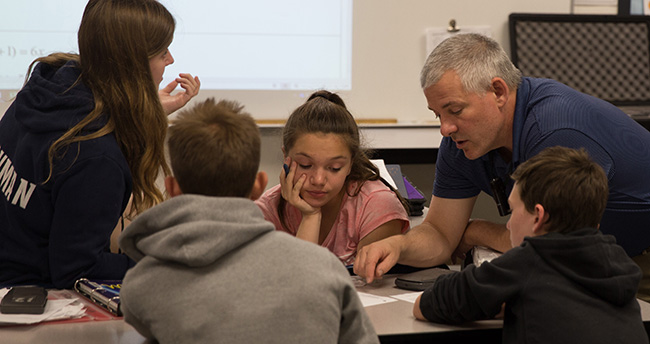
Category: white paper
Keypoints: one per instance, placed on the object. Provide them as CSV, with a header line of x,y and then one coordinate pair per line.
x,y
371,300
408,297
482,254
383,172
436,35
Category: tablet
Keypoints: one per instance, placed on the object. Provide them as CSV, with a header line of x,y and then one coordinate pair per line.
x,y
421,280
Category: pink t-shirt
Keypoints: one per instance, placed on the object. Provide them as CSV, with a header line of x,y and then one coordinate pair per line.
x,y
375,205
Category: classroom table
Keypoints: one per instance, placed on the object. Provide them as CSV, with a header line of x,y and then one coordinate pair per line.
x,y
393,322
95,332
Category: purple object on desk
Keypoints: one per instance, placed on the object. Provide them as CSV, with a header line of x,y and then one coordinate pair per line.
x,y
412,192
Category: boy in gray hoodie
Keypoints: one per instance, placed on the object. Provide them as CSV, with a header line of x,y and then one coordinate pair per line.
x,y
210,269
564,281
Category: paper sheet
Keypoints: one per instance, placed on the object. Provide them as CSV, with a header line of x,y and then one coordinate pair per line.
x,y
408,297
436,35
383,171
371,300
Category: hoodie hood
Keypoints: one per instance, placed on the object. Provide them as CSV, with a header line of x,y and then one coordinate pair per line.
x,y
194,230
51,101
591,260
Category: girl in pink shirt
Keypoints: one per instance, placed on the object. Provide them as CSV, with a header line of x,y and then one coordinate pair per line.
x,y
332,194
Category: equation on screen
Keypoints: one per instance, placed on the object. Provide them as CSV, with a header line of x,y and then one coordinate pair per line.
x,y
10,51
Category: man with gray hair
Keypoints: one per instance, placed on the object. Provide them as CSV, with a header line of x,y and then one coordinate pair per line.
x,y
493,119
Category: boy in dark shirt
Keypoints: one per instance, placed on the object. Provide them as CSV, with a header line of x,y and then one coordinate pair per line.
x,y
566,282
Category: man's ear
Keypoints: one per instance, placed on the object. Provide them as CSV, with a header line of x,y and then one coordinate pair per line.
x,y
541,218
259,186
172,187
501,91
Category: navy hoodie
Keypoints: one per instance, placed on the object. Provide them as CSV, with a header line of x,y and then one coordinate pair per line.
x,y
56,232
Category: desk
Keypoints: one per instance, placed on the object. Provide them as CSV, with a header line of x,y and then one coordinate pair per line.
x,y
393,322
94,332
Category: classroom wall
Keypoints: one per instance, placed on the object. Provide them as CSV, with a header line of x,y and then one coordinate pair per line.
x,y
389,47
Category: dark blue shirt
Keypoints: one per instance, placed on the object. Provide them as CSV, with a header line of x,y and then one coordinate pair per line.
x,y
549,114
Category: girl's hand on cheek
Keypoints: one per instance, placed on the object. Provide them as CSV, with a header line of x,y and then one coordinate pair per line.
x,y
291,191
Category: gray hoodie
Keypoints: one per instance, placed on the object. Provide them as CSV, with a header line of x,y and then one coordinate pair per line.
x,y
212,270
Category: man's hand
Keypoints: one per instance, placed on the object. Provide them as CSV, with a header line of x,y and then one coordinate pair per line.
x,y
375,259
460,254
171,103
483,233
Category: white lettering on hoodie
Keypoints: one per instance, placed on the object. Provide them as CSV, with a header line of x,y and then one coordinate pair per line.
x,y
8,180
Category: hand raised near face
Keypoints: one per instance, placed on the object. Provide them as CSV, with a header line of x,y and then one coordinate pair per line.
x,y
291,190
190,86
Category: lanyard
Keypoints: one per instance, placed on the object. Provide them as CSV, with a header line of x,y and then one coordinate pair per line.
x,y
498,189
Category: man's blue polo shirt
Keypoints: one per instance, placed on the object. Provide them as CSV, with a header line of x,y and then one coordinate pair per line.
x,y
548,114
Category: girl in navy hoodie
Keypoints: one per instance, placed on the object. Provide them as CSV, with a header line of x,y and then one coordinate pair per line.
x,y
83,136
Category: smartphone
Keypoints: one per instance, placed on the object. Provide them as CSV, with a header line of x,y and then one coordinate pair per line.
x,y
421,280
24,300
286,169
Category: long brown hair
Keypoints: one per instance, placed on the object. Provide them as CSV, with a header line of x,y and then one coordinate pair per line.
x,y
116,40
325,112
